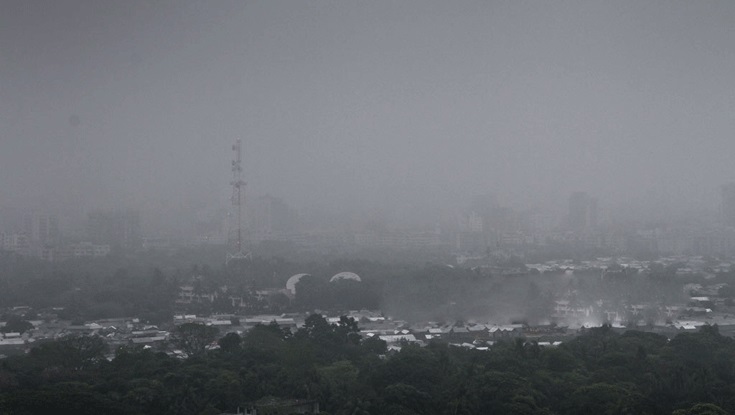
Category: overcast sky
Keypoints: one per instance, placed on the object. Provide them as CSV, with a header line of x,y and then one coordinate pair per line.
x,y
377,104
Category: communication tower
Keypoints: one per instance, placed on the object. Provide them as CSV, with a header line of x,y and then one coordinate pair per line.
x,y
235,245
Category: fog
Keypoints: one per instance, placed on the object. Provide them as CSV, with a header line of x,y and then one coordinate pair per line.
x,y
408,109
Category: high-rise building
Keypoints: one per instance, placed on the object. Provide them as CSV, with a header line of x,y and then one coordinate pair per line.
x,y
42,230
119,229
15,242
727,207
270,217
582,212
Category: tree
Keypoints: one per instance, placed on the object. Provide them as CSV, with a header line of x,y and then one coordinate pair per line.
x,y
75,352
317,328
230,343
65,397
310,293
193,338
264,338
375,345
603,398
340,385
224,391
402,398
701,409
16,324
347,330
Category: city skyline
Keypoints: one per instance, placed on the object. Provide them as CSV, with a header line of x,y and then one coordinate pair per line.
x,y
377,106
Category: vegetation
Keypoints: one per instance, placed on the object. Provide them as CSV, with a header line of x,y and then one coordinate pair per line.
x,y
600,371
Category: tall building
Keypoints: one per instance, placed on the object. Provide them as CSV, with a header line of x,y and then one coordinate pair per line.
x,y
11,219
42,230
119,229
15,242
472,236
727,207
271,218
582,212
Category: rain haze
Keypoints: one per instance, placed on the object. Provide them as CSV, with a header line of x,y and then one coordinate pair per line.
x,y
367,207
408,108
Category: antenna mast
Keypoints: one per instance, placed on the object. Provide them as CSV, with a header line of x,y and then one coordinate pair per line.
x,y
236,251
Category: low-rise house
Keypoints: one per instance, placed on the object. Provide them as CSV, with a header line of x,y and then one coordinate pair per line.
x,y
507,330
397,338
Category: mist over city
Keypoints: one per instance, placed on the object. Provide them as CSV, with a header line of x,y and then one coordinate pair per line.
x,y
396,109
414,207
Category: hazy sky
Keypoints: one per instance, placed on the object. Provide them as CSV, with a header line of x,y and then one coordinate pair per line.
x,y
397,104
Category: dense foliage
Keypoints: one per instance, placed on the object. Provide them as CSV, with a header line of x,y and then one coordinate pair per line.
x,y
601,371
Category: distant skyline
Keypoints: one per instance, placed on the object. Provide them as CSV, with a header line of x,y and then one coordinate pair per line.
x,y
410,108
